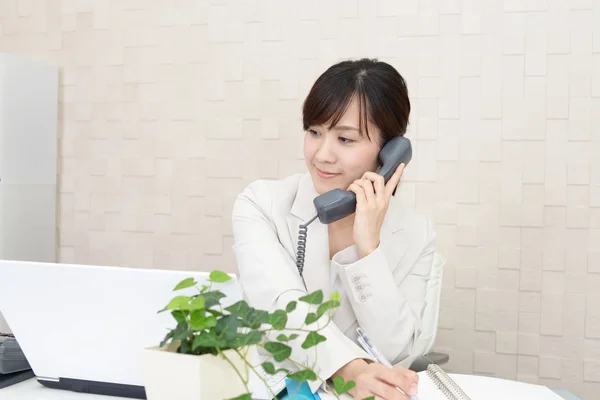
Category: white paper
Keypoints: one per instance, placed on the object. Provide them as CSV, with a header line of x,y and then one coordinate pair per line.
x,y
477,388
486,388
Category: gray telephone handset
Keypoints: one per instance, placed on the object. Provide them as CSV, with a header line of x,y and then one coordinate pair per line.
x,y
337,204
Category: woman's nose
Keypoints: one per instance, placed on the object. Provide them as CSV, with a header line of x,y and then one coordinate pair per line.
x,y
325,153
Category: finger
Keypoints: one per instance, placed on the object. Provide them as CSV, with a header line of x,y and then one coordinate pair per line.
x,y
368,383
367,186
396,378
410,375
361,199
378,184
386,382
394,180
387,391
413,382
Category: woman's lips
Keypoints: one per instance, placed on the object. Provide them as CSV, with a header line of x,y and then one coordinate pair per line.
x,y
325,174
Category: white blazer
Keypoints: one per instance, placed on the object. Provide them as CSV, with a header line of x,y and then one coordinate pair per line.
x,y
383,293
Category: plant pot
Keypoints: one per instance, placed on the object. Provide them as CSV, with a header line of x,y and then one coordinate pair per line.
x,y
173,376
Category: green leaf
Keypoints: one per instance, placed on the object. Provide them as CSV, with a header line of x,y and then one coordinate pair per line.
x,y
284,338
199,321
241,308
303,375
310,318
278,319
181,331
215,313
166,339
268,367
208,339
291,306
218,277
247,339
249,317
335,296
257,318
184,284
210,322
180,316
196,304
369,398
313,298
280,351
212,298
185,348
245,396
177,302
226,327
313,339
328,305
341,386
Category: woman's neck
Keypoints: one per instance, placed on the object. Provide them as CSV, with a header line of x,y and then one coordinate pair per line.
x,y
343,225
340,235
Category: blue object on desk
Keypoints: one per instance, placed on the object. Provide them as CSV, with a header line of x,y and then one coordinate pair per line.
x,y
298,391
566,394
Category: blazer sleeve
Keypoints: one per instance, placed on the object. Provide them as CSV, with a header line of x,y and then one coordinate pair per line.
x,y
388,300
270,280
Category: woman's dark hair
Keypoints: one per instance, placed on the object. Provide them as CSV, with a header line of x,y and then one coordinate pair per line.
x,y
380,90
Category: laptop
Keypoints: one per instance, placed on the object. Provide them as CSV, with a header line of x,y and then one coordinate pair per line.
x,y
82,327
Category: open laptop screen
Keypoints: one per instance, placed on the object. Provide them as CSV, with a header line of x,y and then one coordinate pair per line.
x,y
82,327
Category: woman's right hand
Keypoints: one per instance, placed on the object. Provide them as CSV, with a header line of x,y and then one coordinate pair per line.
x,y
379,381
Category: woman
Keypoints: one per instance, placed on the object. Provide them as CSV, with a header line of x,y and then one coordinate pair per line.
x,y
378,258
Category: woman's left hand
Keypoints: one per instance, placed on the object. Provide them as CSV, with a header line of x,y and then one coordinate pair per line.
x,y
372,201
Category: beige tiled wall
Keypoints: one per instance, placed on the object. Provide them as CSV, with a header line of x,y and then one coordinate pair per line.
x,y
168,108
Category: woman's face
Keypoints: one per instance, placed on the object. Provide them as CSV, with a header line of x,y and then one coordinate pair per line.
x,y
335,158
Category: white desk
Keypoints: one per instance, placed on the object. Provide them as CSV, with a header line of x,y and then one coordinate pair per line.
x,y
32,390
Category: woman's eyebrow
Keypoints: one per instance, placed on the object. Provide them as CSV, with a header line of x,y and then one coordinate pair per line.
x,y
346,128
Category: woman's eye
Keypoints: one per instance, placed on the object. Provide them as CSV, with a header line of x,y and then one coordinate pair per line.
x,y
346,140
313,132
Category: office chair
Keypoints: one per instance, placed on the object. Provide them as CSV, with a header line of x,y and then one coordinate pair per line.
x,y
422,355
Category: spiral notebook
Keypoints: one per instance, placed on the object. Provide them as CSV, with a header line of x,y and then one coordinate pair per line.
x,y
436,384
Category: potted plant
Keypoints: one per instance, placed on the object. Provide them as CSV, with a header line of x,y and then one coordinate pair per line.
x,y
207,354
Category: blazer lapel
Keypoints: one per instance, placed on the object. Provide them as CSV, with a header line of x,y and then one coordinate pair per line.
x,y
393,242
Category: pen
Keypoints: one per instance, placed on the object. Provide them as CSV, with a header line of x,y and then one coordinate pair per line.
x,y
373,350
366,347
370,348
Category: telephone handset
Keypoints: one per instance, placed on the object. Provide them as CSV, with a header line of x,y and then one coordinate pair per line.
x,y
337,203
